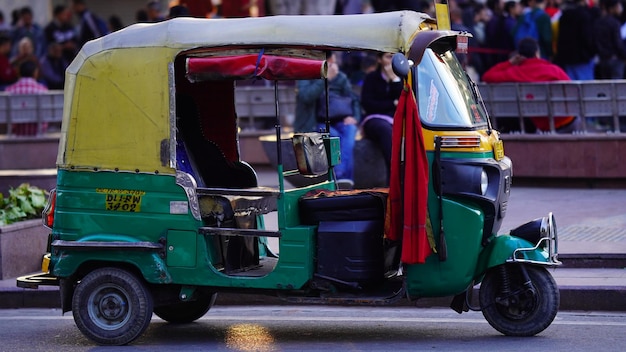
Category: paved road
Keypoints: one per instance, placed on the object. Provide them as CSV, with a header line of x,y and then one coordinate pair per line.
x,y
312,328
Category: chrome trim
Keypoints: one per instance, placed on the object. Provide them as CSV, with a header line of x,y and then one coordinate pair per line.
x,y
450,141
172,108
113,245
187,182
548,226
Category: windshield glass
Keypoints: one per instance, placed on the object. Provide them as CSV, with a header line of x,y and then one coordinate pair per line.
x,y
445,96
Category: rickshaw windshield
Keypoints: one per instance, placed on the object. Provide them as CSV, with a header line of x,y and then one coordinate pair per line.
x,y
445,95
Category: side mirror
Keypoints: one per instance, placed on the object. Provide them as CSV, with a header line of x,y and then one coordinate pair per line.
x,y
310,153
400,65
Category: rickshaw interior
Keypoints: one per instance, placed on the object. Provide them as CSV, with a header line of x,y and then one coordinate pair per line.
x,y
229,198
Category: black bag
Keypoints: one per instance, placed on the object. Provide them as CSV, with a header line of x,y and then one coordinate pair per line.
x,y
339,107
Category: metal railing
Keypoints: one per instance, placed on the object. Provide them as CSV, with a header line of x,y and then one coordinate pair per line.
x,y
255,107
40,109
599,105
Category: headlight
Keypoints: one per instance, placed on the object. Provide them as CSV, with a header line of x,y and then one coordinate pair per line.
x,y
484,182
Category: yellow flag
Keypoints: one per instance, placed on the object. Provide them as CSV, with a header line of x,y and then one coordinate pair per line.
x,y
443,16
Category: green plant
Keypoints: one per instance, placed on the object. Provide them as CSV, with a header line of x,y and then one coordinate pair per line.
x,y
23,203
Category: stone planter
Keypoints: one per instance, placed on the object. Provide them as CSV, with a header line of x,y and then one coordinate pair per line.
x,y
22,246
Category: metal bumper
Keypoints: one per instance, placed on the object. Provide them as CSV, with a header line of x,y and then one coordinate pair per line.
x,y
548,244
33,281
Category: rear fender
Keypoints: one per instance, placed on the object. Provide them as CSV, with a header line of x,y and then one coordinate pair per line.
x,y
76,258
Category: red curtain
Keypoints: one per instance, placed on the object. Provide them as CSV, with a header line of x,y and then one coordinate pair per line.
x,y
408,186
250,66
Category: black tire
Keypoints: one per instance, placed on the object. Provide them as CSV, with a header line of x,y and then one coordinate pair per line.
x,y
186,312
525,314
111,306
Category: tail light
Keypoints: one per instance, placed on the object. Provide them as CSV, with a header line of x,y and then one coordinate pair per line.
x,y
48,212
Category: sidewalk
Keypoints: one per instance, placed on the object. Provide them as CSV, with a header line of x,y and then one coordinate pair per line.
x,y
592,245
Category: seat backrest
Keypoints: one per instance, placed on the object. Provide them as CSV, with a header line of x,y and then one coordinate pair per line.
x,y
209,164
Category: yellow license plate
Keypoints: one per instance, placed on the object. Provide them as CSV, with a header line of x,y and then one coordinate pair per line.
x,y
498,150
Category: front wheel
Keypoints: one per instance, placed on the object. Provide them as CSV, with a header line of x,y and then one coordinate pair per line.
x,y
519,300
111,306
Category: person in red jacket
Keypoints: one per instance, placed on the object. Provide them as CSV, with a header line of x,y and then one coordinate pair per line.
x,y
526,66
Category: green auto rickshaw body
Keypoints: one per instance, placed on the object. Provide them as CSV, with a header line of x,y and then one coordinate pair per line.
x,y
125,199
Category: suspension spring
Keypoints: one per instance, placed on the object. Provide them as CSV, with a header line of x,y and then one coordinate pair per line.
x,y
506,281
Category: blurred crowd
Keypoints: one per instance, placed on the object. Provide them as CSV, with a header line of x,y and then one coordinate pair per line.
x,y
584,37
52,46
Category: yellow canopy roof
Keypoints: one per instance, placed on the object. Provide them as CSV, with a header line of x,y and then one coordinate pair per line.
x,y
119,109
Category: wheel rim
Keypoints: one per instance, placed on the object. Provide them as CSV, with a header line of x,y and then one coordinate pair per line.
x,y
521,305
109,307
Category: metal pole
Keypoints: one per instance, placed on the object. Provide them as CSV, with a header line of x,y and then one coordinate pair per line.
x,y
279,147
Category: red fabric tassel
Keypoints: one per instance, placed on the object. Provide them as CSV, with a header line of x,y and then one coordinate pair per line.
x,y
408,186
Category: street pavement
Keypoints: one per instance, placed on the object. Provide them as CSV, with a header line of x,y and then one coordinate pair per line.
x,y
592,245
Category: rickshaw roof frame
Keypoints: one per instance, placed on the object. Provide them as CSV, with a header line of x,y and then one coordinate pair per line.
x,y
134,66
387,32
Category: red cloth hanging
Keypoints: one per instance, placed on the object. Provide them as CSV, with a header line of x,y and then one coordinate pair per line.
x,y
408,186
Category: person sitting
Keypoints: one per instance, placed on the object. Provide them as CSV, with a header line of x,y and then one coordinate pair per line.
x,y
379,98
53,67
526,66
27,84
311,115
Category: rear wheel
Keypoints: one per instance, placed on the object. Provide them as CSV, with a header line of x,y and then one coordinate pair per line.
x,y
111,306
186,312
516,304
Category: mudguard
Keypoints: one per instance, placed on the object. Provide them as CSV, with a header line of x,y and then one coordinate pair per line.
x,y
506,248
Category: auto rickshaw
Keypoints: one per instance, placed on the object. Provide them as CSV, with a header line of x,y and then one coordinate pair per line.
x,y
155,212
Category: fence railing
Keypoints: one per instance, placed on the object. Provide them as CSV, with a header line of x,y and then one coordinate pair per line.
x,y
599,105
40,109
255,107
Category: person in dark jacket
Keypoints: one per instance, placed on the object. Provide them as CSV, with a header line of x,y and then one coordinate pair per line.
x,y
575,46
609,45
498,32
379,98
90,26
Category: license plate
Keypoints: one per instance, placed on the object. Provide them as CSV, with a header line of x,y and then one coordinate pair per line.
x,y
498,150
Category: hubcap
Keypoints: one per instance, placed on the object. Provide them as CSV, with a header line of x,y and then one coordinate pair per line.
x,y
109,307
519,305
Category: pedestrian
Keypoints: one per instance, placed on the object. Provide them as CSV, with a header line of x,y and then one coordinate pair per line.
x,y
53,67
609,45
25,52
90,25
498,38
61,31
379,98
534,22
27,28
153,12
575,45
27,84
302,7
115,23
5,28
527,66
8,74
344,113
